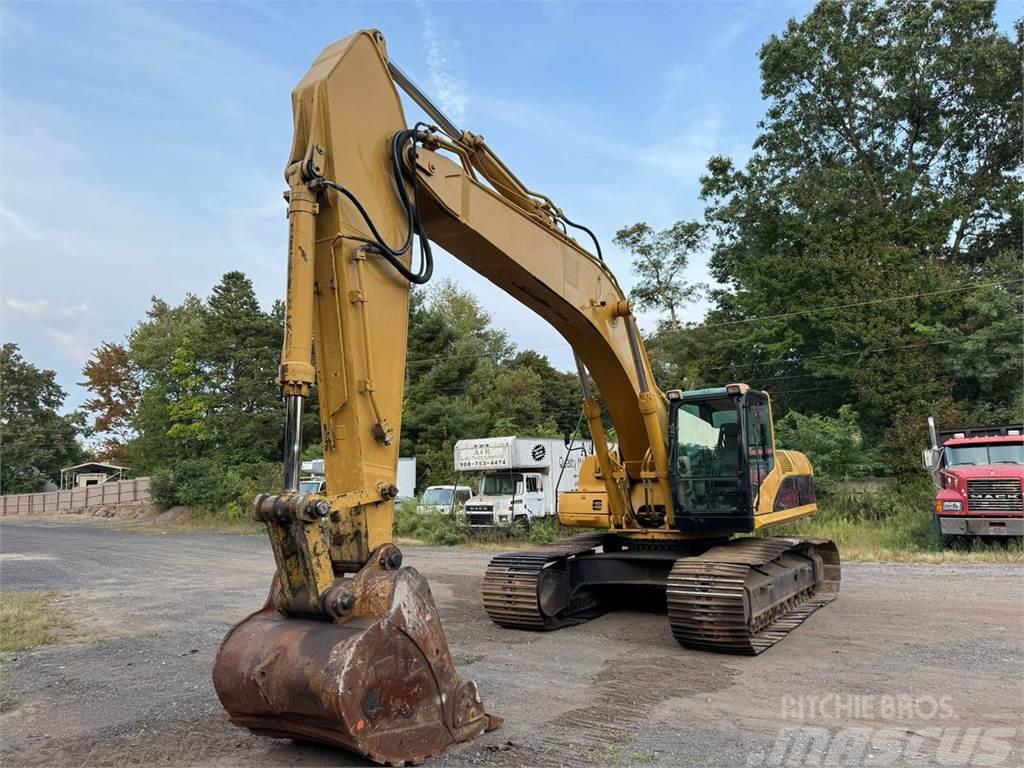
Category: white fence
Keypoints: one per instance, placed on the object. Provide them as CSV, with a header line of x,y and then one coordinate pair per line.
x,y
55,502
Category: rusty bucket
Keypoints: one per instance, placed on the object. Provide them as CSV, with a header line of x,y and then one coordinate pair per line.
x,y
380,682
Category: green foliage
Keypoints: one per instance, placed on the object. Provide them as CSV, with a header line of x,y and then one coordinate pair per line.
x,y
834,445
875,524
206,421
465,380
435,528
885,184
659,261
545,531
37,441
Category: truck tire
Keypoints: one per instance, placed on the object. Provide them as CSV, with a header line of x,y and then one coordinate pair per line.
x,y
946,541
523,521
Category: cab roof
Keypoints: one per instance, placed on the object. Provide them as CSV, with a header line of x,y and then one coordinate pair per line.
x,y
1001,439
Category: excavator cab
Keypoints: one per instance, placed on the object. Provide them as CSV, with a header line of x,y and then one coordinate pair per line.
x,y
721,450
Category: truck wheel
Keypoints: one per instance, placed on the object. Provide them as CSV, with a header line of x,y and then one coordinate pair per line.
x,y
945,541
522,521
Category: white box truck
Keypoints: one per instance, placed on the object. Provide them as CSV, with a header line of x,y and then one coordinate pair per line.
x,y
519,478
405,478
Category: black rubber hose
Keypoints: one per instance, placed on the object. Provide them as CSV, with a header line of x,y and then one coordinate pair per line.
x,y
593,237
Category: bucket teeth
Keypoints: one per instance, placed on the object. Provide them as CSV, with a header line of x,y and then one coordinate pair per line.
x,y
380,683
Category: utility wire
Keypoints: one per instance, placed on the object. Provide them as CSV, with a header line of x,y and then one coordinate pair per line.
x,y
905,297
836,308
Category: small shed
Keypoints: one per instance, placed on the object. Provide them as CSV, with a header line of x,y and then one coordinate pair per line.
x,y
91,473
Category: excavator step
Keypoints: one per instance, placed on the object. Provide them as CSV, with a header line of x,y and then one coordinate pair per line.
x,y
744,596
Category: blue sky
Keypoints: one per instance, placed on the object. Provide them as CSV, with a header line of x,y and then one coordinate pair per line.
x,y
142,145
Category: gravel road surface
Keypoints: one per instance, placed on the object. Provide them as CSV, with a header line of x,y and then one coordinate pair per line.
x,y
912,665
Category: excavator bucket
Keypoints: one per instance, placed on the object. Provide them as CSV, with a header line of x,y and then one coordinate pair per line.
x,y
380,683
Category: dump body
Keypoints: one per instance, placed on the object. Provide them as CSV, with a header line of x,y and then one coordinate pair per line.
x,y
518,478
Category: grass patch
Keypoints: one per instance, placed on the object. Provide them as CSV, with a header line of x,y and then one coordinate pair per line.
x,y
437,528
894,525
446,530
7,700
28,620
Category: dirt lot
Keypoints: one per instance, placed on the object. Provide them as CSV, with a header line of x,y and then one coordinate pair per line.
x,y
913,665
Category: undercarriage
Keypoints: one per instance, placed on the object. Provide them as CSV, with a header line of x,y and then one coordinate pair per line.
x,y
739,596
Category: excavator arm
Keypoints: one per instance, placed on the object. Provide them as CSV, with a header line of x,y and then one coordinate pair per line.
x,y
360,186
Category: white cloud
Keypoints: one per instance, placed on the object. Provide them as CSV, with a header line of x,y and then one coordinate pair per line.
x,y
74,309
34,308
686,154
20,225
74,345
443,61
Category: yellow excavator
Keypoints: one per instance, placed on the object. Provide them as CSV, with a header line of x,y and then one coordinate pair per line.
x,y
348,649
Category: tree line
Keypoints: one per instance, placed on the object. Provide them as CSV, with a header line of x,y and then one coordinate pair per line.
x,y
867,269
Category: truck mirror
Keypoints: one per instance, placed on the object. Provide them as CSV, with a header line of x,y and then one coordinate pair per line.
x,y
930,458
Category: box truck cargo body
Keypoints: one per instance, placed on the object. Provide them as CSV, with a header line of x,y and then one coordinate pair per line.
x,y
405,478
518,478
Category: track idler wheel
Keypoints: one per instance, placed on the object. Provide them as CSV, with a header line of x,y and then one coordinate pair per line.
x,y
379,681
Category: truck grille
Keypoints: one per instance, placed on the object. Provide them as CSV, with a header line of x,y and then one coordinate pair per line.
x,y
483,518
996,495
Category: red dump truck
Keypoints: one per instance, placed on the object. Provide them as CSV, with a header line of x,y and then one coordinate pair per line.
x,y
978,474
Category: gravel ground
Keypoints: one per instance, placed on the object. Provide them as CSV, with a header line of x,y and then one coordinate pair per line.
x,y
912,665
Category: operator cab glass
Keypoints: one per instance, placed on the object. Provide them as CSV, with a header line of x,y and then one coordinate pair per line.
x,y
721,452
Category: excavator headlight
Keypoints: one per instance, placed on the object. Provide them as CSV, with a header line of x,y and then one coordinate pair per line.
x,y
674,394
733,389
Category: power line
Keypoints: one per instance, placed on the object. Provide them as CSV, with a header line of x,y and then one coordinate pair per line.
x,y
800,360
814,357
904,297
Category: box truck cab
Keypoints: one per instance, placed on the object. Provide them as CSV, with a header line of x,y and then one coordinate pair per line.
x,y
519,478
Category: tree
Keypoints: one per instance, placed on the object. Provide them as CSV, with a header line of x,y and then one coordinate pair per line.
x,y
37,441
660,259
239,353
835,445
112,378
209,421
883,183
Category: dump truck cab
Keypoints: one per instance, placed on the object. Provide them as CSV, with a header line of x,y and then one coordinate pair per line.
x,y
978,475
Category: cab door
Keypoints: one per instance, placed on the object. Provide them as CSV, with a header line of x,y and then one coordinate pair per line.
x,y
533,496
710,442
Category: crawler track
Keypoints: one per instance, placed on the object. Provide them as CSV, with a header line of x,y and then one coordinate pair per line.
x,y
512,588
745,596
